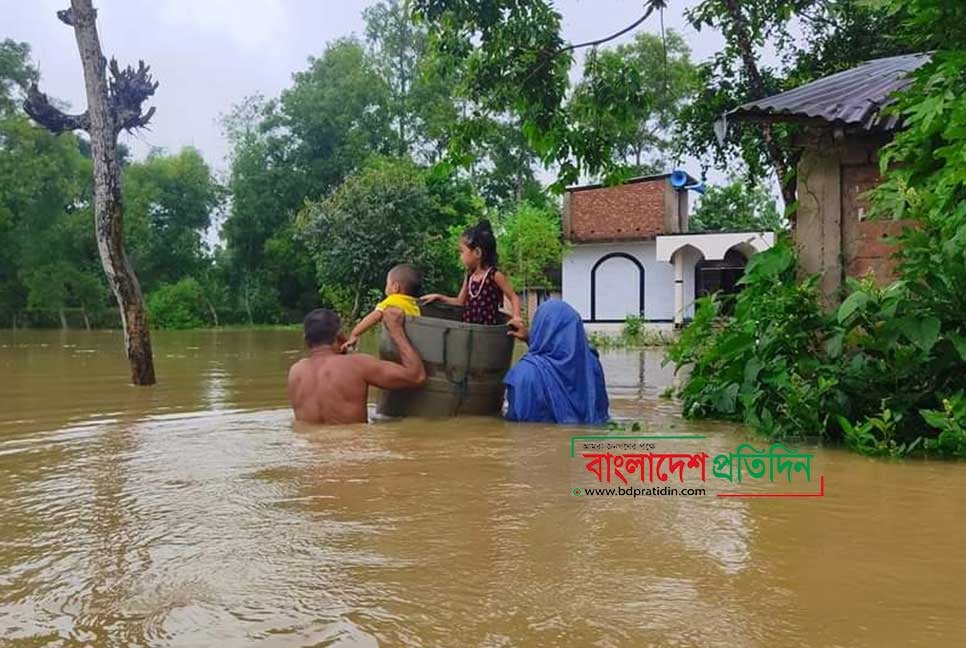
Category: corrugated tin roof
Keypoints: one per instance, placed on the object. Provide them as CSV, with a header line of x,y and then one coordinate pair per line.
x,y
853,97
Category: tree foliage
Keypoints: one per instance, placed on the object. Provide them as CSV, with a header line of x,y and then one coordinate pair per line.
x,y
530,245
631,95
388,213
736,206
170,200
832,35
886,371
510,58
179,305
48,258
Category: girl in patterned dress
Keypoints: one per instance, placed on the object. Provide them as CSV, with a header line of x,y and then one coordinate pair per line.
x,y
485,286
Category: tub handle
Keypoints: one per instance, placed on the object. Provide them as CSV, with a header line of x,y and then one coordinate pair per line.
x,y
461,383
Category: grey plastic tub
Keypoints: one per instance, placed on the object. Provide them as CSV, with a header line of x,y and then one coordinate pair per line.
x,y
465,365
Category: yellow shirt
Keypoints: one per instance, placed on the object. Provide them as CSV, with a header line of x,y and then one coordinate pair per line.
x,y
406,303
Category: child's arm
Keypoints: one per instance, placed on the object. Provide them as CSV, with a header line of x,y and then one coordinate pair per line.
x,y
459,300
367,323
500,280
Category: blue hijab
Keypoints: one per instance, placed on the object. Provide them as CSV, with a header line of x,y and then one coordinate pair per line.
x,y
560,379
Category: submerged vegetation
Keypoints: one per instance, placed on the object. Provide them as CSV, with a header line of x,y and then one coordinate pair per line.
x,y
634,335
885,372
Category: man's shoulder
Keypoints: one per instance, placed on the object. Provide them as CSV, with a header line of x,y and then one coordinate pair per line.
x,y
297,368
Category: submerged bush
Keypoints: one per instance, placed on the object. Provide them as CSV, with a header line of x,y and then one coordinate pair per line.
x,y
633,335
178,306
764,366
873,373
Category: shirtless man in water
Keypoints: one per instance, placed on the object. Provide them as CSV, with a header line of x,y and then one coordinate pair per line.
x,y
328,387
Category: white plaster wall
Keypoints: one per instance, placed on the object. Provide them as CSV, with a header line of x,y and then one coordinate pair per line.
x,y
617,281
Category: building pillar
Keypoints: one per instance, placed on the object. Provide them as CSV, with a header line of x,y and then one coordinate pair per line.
x,y
679,289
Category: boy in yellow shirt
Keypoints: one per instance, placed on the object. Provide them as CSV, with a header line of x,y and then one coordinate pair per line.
x,y
402,286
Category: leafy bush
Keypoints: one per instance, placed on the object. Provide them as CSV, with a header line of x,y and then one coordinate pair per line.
x,y
530,245
633,335
386,213
873,372
178,306
951,423
765,365
632,327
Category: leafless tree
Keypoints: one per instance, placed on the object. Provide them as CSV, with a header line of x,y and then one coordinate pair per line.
x,y
112,106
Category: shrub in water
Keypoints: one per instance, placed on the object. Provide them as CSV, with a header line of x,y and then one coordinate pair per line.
x,y
178,306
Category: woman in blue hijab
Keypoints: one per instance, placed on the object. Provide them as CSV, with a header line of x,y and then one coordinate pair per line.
x,y
560,379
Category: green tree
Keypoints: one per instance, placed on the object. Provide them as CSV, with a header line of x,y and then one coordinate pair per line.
x,y
170,201
427,116
925,179
886,371
284,152
398,48
47,252
530,245
181,305
736,206
630,97
835,35
16,74
336,113
390,212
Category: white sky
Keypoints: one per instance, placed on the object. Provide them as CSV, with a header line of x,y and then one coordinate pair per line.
x,y
209,54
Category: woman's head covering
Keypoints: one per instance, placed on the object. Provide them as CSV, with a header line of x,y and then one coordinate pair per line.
x,y
560,379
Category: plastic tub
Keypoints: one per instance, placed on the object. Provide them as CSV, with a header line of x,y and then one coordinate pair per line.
x,y
465,365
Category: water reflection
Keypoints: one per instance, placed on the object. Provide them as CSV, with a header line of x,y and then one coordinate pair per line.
x,y
196,513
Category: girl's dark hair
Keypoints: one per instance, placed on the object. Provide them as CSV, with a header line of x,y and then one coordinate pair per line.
x,y
480,236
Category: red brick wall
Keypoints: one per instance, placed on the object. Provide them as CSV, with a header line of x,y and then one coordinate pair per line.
x,y
863,241
632,211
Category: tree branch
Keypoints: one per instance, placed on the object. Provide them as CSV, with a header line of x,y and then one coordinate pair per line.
x,y
651,6
129,89
650,9
66,16
38,106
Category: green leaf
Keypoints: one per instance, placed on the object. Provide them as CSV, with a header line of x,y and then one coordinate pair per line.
x,y
833,346
725,401
934,418
752,369
852,303
922,332
959,341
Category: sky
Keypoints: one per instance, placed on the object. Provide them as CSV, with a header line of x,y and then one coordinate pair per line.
x,y
209,54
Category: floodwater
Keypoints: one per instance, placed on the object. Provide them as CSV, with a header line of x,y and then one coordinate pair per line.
x,y
196,514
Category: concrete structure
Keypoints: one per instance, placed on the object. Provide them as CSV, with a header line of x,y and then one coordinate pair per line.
x,y
631,254
531,298
844,130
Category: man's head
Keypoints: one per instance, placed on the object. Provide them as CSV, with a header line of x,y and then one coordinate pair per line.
x,y
404,278
321,328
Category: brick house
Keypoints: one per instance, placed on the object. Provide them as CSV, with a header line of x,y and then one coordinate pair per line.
x,y
631,253
843,130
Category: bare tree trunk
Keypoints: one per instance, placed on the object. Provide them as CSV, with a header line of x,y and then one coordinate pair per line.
x,y
110,108
211,309
775,154
108,203
63,319
87,320
248,301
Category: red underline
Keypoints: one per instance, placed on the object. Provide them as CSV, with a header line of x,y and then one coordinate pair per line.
x,y
820,493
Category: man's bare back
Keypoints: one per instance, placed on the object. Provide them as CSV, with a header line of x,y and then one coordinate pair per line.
x,y
328,387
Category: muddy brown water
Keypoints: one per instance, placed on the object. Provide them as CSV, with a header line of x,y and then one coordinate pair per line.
x,y
196,513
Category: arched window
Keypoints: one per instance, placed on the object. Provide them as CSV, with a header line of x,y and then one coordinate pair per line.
x,y
616,288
